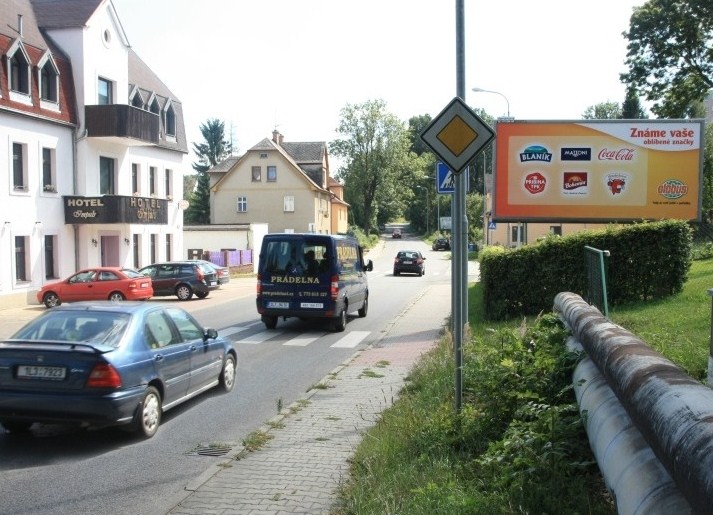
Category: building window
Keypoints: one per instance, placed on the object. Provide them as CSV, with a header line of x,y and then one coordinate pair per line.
x,y
289,204
168,184
556,230
21,258
135,178
242,205
49,181
106,92
50,257
19,166
137,263
107,178
154,248
169,239
19,73
48,82
272,173
257,173
137,101
152,180
170,121
153,107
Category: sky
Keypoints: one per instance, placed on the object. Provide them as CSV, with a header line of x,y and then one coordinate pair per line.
x,y
293,65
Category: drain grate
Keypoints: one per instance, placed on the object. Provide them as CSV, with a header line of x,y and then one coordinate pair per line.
x,y
213,449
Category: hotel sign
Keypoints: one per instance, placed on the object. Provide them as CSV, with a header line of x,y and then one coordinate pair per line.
x,y
115,209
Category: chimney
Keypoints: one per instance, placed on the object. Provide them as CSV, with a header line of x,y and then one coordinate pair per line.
x,y
277,137
19,24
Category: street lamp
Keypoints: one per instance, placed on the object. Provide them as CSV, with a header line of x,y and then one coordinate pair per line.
x,y
481,90
428,226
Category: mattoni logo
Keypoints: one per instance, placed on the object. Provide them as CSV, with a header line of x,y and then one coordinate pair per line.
x,y
535,182
576,154
535,153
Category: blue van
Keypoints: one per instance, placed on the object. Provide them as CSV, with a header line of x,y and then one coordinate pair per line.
x,y
311,276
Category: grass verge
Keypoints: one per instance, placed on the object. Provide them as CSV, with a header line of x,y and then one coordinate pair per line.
x,y
518,444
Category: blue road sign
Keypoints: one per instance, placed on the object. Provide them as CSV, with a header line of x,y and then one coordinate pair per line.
x,y
445,179
491,225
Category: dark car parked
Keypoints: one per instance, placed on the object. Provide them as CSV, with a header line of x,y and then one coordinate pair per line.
x,y
409,261
223,272
182,279
441,244
98,364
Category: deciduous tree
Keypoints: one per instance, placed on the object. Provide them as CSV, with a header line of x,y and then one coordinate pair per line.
x,y
670,54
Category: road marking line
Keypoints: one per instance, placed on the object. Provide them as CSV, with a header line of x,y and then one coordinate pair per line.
x,y
304,339
351,340
260,337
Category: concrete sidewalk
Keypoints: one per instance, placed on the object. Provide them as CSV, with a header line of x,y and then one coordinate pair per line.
x,y
301,467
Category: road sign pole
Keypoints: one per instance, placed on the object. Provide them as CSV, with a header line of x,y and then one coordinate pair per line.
x,y
460,282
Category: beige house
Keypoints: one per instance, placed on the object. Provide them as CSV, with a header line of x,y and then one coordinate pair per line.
x,y
284,185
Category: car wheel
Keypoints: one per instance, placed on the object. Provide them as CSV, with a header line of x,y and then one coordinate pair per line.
x,y
116,296
51,299
340,323
184,292
148,416
227,376
395,272
364,308
16,426
202,295
269,321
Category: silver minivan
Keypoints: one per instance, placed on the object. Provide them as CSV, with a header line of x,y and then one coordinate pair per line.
x,y
311,276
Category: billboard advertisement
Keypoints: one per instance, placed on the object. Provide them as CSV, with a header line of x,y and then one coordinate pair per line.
x,y
598,170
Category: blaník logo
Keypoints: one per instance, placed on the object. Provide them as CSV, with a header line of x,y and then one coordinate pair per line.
x,y
576,154
535,153
535,182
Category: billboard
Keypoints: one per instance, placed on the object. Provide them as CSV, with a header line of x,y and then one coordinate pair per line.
x,y
598,170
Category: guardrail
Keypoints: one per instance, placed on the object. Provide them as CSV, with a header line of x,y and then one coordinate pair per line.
x,y
671,412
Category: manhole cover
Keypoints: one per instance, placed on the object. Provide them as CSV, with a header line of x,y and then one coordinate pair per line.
x,y
214,450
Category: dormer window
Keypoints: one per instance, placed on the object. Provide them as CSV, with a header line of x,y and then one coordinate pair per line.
x,y
153,106
170,121
48,81
135,98
19,73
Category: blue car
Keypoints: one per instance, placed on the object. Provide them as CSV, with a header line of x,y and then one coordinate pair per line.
x,y
99,364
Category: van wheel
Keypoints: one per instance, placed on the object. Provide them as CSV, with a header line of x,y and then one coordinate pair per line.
x,y
340,323
364,308
269,321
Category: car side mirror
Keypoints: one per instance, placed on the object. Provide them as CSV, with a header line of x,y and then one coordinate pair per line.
x,y
369,266
210,334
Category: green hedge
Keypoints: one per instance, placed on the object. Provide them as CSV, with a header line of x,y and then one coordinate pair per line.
x,y
647,260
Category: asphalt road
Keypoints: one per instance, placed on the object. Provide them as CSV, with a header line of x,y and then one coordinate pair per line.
x,y
65,470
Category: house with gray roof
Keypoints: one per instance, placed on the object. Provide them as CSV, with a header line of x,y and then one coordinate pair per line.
x,y
285,185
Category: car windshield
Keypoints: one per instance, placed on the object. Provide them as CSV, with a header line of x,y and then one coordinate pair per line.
x,y
132,274
104,327
408,255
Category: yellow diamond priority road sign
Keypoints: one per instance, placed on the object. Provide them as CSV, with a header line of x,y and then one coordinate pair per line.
x,y
457,135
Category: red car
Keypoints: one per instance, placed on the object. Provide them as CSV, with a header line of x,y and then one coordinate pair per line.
x,y
100,283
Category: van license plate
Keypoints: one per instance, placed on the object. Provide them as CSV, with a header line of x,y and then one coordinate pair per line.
x,y
278,305
316,305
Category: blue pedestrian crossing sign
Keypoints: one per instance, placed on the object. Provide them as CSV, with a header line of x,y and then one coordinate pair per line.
x,y
445,180
491,226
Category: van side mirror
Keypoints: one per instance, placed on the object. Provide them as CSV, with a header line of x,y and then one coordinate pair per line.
x,y
369,266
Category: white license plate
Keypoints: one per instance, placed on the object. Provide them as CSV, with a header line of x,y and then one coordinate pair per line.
x,y
213,283
278,305
316,305
408,262
34,372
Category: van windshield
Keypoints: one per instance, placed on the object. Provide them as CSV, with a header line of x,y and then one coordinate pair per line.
x,y
298,257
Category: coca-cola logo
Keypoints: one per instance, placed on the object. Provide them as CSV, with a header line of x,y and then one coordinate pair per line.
x,y
535,182
620,154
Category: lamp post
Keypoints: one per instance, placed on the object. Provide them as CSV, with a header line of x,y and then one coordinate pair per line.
x,y
427,221
481,90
